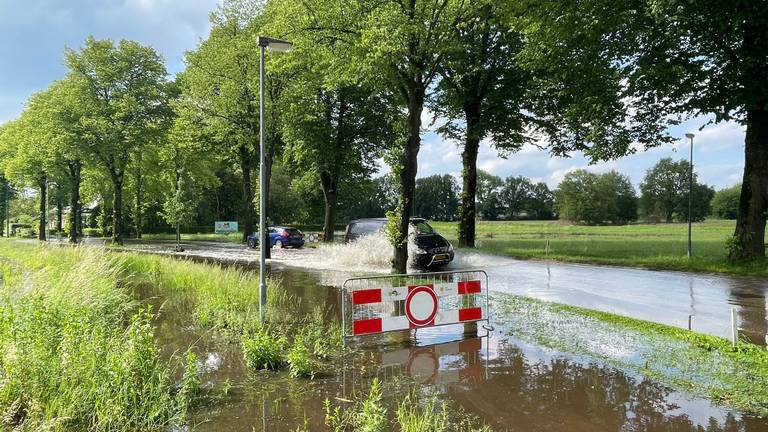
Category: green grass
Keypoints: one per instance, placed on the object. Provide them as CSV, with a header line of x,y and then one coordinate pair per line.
x,y
699,364
657,246
212,237
77,354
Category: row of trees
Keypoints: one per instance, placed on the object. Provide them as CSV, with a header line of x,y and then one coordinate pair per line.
x,y
582,197
356,85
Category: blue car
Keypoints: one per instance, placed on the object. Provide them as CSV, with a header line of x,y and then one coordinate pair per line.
x,y
281,237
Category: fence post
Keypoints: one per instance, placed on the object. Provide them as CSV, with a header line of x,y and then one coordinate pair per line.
x,y
734,327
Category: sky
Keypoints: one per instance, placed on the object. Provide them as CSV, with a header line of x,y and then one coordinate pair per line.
x,y
34,33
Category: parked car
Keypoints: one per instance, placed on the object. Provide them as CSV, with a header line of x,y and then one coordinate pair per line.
x,y
281,237
432,249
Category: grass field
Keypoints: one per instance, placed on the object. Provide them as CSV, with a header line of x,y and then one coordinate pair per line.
x,y
658,246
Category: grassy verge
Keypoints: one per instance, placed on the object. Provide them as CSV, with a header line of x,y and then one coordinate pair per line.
x,y
76,351
224,238
226,299
656,246
703,365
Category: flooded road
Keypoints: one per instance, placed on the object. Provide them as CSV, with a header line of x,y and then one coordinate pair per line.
x,y
666,297
509,384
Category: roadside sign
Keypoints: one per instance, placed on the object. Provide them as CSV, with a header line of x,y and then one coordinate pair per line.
x,y
379,304
224,227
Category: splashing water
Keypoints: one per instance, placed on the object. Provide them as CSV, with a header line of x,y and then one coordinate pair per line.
x,y
370,253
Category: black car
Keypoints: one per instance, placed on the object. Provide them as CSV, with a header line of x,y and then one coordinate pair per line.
x,y
432,249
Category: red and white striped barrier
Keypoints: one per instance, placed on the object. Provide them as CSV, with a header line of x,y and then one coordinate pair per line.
x,y
378,308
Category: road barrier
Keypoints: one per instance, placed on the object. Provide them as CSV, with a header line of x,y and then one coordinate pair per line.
x,y
380,304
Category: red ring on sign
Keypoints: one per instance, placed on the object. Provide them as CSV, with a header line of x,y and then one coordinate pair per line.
x,y
411,294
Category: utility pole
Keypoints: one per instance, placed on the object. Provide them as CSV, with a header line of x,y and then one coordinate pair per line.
x,y
690,193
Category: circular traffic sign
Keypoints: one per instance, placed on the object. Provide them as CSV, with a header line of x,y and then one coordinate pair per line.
x,y
421,306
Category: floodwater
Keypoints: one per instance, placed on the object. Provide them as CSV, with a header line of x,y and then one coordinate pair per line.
x,y
666,297
509,384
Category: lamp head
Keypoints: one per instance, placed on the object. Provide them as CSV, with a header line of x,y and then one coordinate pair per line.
x,y
689,135
274,44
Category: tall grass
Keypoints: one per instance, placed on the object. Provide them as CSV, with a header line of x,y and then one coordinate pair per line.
x,y
76,354
224,297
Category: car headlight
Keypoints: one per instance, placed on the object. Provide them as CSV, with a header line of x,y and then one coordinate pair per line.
x,y
420,251
450,247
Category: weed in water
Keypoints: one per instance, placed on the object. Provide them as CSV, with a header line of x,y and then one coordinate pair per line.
x,y
262,350
189,387
299,359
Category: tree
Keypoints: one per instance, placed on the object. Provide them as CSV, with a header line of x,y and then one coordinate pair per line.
x,y
701,200
333,132
26,159
515,195
482,92
665,192
220,95
585,197
541,202
124,90
638,64
725,203
437,197
398,46
61,111
489,205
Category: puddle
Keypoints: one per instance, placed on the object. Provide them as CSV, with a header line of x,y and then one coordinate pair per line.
x,y
509,384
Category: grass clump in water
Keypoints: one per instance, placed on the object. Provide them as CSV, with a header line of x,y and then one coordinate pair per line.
x,y
263,350
417,412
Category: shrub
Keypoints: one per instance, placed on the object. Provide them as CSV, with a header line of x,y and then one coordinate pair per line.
x,y
189,387
262,350
299,361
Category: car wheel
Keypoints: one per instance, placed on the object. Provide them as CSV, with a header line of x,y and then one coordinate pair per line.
x,y
279,244
251,244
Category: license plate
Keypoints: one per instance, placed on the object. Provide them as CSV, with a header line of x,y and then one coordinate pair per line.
x,y
441,257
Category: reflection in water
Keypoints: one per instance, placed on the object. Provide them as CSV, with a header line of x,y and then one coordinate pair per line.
x,y
750,307
509,384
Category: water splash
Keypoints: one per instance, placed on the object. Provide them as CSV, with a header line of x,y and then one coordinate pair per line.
x,y
369,253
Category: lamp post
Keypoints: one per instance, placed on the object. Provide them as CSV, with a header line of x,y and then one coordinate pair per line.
x,y
279,46
690,192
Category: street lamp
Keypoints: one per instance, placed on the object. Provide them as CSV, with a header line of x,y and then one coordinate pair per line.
x,y
279,46
690,192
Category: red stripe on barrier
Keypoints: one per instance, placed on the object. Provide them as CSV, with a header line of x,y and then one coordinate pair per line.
x,y
366,296
366,326
469,287
470,314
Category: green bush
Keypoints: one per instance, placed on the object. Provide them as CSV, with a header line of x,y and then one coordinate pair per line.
x,y
262,350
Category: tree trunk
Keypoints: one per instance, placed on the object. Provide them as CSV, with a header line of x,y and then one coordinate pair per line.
x,y
749,236
245,167
117,208
74,201
467,211
330,197
138,203
409,164
59,215
42,184
668,216
268,161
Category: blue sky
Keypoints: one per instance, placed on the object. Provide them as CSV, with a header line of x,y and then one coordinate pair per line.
x,y
33,34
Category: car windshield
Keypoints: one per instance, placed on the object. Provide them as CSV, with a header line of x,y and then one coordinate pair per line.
x,y
366,227
293,231
422,227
